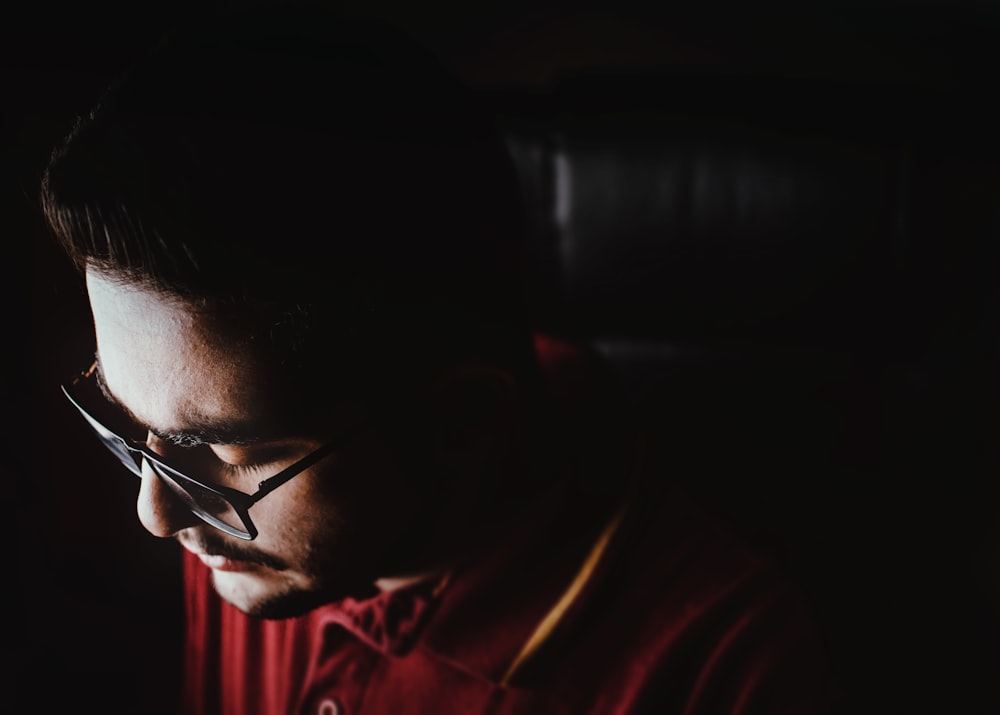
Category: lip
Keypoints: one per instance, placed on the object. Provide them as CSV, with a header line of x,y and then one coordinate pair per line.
x,y
221,563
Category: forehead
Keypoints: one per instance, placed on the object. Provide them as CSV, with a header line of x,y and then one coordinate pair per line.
x,y
171,363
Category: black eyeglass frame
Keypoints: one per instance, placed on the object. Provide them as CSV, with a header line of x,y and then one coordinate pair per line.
x,y
238,500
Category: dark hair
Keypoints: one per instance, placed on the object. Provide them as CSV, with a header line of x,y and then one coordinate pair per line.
x,y
324,173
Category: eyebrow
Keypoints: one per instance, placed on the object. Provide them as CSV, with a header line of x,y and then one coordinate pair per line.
x,y
217,432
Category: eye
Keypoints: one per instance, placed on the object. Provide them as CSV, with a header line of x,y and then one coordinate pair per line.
x,y
237,461
256,459
238,470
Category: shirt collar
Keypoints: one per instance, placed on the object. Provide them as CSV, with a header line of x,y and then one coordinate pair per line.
x,y
391,620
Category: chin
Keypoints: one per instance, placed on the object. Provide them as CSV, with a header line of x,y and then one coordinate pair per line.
x,y
270,599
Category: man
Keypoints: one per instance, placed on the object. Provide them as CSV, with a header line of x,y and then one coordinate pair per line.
x,y
300,247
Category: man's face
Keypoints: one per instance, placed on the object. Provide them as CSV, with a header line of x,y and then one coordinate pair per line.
x,y
183,373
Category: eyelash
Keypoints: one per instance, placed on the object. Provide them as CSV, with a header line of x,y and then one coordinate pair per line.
x,y
240,470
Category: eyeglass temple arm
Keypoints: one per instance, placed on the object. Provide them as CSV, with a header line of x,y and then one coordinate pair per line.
x,y
271,483
85,374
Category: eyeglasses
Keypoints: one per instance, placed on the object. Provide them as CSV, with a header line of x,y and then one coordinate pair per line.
x,y
224,508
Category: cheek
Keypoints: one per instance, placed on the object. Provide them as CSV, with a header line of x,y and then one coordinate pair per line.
x,y
324,506
346,515
300,512
369,496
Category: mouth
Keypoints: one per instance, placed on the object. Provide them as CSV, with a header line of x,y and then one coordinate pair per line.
x,y
217,562
223,557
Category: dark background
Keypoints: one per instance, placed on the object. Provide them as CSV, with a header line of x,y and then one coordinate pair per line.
x,y
895,544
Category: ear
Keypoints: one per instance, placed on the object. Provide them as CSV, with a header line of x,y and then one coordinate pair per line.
x,y
473,413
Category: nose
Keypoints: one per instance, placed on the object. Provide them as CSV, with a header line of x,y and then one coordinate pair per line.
x,y
159,509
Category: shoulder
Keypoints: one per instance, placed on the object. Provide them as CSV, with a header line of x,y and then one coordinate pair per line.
x,y
668,608
681,615
655,606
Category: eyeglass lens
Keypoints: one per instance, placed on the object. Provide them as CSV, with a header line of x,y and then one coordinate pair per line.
x,y
209,505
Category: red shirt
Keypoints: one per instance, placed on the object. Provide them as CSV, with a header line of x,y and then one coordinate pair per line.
x,y
593,604
673,615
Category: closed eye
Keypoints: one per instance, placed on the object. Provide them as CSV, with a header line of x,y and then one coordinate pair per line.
x,y
239,470
236,461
